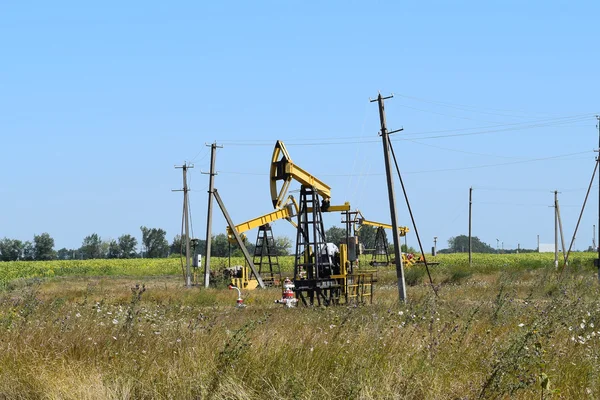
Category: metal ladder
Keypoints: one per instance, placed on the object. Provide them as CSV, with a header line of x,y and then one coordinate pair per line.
x,y
265,253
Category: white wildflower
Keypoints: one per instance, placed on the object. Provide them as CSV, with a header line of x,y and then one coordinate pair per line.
x,y
521,325
115,321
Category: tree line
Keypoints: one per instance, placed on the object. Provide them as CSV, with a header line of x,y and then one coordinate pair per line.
x,y
154,245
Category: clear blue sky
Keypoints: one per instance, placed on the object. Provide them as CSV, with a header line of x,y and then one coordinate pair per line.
x,y
99,101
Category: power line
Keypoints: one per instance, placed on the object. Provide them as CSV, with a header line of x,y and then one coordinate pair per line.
x,y
518,204
468,108
462,151
427,171
328,141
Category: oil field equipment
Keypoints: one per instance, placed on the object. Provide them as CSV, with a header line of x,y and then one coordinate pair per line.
x,y
320,277
288,297
265,255
239,301
381,256
323,274
265,252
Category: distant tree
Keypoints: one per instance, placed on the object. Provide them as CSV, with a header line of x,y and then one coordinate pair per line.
x,y
104,248
366,235
127,245
405,249
28,251
10,250
335,235
67,254
460,244
43,247
177,246
201,247
283,245
114,251
91,247
155,242
220,246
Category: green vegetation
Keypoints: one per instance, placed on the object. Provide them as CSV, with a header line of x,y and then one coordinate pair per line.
x,y
507,328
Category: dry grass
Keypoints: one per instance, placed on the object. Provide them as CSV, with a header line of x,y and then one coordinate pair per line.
x,y
486,336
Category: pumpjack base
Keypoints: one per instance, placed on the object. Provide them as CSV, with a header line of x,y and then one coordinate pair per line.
x,y
324,291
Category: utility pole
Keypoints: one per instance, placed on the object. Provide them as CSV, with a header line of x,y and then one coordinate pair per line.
x,y
597,161
538,243
186,223
390,184
211,188
555,230
562,236
470,205
434,246
594,237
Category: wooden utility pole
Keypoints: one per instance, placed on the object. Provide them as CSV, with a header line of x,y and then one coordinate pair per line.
x,y
186,223
597,161
555,230
211,188
390,184
470,206
560,228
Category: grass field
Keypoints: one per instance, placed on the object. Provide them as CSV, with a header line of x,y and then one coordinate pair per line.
x,y
509,327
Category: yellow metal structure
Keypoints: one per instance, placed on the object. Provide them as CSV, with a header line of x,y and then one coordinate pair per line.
x,y
288,211
283,169
242,280
402,230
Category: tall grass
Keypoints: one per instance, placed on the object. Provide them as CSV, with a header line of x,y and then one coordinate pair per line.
x,y
488,335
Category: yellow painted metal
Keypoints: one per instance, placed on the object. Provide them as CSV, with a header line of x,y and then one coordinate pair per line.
x,y
343,280
243,282
408,262
287,212
339,208
403,230
283,169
